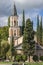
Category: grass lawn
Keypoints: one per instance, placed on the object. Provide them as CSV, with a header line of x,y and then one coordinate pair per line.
x,y
6,62
36,63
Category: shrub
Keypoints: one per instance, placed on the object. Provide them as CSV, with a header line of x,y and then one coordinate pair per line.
x,y
17,64
18,58
35,58
23,57
41,58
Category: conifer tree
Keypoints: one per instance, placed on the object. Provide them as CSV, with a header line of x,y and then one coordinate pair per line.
x,y
28,42
32,24
0,44
23,22
42,35
40,32
37,28
12,48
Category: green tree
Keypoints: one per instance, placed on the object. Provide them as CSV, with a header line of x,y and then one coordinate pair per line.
x,y
4,47
20,30
23,22
4,31
8,55
28,42
40,31
37,29
0,44
42,35
12,48
32,24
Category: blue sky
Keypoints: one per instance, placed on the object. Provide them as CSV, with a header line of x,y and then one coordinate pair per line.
x,y
32,9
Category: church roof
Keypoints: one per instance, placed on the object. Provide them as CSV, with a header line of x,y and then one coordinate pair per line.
x,y
14,11
39,47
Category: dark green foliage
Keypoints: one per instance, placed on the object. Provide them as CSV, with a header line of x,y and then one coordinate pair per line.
x,y
20,30
35,58
24,58
28,42
38,29
32,24
17,63
0,44
41,58
23,22
4,31
12,48
4,48
42,35
18,58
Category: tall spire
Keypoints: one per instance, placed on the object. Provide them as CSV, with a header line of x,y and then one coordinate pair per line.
x,y
14,11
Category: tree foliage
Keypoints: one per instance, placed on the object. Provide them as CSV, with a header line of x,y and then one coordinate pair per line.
x,y
0,44
23,22
42,35
28,42
41,58
12,48
39,31
4,31
3,35
38,28
35,58
4,47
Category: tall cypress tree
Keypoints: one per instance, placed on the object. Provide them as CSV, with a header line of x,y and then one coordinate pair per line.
x,y
42,35
23,22
40,27
12,48
32,24
37,28
0,44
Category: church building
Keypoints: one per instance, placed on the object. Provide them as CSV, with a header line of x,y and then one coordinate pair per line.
x,y
14,29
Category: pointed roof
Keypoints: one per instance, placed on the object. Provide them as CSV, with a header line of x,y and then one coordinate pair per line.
x,y
14,11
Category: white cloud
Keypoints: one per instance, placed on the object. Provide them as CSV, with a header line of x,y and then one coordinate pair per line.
x,y
29,3
3,21
32,8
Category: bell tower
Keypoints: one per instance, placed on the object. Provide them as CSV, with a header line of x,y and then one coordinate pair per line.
x,y
14,30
